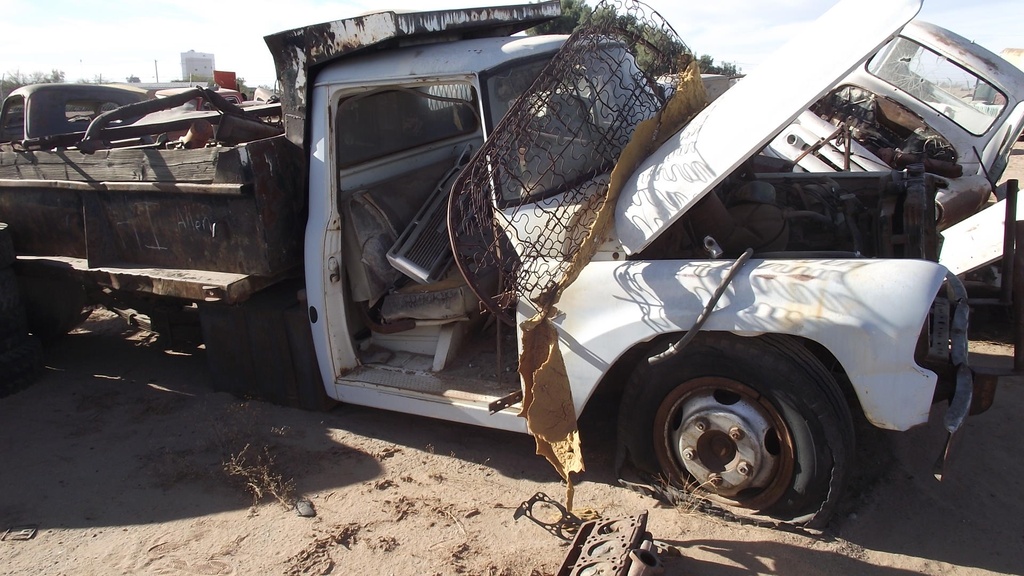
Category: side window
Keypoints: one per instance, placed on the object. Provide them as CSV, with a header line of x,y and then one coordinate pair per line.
x,y
384,122
13,126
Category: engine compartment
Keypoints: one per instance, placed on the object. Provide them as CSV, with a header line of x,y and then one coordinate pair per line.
x,y
779,215
888,129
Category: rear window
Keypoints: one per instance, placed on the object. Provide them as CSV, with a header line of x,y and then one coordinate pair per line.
x,y
85,111
384,122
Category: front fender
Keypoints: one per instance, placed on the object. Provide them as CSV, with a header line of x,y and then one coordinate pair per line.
x,y
867,313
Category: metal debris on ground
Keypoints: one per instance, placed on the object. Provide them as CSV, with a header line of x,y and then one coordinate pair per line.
x,y
564,527
24,532
613,547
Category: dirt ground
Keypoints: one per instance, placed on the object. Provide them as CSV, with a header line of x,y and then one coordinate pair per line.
x,y
128,463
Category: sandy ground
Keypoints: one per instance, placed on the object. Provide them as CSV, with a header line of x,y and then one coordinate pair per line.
x,y
120,455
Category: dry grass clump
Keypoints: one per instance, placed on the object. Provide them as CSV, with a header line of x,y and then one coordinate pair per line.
x,y
257,471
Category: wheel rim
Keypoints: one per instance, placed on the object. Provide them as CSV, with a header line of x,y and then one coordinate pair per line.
x,y
725,440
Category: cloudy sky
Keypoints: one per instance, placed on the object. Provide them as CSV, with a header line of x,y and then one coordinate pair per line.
x,y
119,38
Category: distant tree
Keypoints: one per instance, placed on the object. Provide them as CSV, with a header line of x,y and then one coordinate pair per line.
x,y
573,13
707,66
133,79
43,78
247,91
13,80
651,41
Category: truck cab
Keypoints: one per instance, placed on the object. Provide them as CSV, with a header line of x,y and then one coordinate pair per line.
x,y
32,113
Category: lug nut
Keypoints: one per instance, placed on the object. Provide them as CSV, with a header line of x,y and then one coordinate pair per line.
x,y
700,424
736,433
688,454
743,468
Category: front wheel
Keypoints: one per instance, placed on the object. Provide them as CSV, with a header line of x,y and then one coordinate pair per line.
x,y
752,423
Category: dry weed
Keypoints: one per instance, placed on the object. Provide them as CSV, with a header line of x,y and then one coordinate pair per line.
x,y
693,499
257,471
316,557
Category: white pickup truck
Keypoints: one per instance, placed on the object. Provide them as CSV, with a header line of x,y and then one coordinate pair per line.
x,y
423,242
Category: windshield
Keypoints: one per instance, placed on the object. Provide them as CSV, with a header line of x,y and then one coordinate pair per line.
x,y
950,90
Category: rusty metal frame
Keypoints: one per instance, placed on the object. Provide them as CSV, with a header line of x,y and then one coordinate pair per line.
x,y
300,52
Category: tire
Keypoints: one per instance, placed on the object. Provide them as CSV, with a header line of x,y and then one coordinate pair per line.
x,y
6,247
20,366
12,315
752,423
52,307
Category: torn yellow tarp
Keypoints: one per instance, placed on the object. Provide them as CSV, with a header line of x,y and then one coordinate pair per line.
x,y
547,400
547,397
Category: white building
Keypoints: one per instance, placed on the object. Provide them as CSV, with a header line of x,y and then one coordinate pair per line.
x,y
196,64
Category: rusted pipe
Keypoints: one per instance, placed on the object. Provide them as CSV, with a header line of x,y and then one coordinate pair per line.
x,y
1009,246
644,563
92,140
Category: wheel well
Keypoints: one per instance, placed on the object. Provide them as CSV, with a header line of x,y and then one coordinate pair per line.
x,y
832,364
613,384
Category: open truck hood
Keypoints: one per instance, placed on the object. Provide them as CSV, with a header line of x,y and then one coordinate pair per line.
x,y
739,123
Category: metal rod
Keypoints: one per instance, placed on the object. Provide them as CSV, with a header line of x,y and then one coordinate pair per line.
x,y
1018,300
498,357
849,147
705,313
1009,247
818,144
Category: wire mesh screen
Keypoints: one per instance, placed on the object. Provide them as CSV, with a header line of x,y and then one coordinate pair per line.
x,y
526,203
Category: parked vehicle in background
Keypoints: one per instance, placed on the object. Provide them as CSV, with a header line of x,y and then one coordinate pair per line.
x,y
928,96
447,197
32,114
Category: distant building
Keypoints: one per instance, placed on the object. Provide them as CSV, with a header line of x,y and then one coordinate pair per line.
x,y
196,64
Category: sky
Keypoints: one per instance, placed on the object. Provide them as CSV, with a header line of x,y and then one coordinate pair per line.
x,y
115,39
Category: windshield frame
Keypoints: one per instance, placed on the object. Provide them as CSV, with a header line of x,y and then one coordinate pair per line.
x,y
899,63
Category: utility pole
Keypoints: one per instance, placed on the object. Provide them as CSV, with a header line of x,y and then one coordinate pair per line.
x,y
156,70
